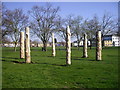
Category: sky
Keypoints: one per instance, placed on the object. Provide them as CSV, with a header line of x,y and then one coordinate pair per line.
x,y
84,9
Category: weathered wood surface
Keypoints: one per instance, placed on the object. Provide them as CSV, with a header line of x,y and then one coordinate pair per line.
x,y
53,45
22,51
98,46
68,46
85,54
27,46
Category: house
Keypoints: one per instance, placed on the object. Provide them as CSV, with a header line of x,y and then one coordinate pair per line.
x,y
111,40
75,44
61,44
41,45
10,45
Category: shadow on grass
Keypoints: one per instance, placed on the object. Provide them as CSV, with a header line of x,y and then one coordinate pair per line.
x,y
23,62
13,61
91,60
77,59
18,62
62,58
81,58
50,56
10,58
51,64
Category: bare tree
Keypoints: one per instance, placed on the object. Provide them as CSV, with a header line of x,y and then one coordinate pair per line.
x,y
77,28
63,23
14,21
44,22
108,23
6,40
90,27
61,29
3,31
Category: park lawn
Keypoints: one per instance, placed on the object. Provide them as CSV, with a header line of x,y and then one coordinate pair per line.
x,y
51,72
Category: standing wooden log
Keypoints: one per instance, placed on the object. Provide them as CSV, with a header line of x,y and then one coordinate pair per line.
x,y
27,46
53,45
68,46
98,46
22,52
85,55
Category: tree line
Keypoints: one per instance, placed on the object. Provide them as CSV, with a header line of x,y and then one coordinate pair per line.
x,y
44,20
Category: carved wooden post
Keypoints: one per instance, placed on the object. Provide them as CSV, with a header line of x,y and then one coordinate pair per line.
x,y
22,52
68,46
53,45
27,46
85,55
98,46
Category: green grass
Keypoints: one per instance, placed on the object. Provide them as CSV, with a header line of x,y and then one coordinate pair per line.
x,y
51,72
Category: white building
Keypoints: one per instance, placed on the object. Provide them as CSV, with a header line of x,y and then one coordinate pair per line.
x,y
111,40
75,44
10,45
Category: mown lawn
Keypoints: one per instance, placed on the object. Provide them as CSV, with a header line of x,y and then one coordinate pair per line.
x,y
51,72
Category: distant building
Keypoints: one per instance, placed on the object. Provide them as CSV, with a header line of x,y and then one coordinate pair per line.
x,y
10,45
61,44
75,44
108,41
111,40
41,45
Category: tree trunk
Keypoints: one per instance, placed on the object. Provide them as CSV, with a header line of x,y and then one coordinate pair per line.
x,y
22,54
15,46
27,46
78,45
53,45
85,55
98,46
68,46
44,48
78,42
102,40
90,44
